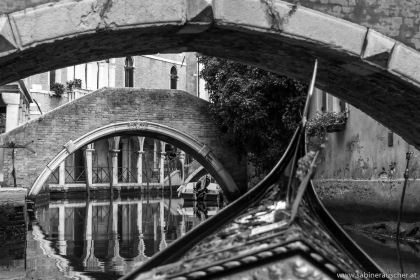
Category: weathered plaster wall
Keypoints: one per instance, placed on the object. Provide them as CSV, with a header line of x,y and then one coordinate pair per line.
x,y
153,73
361,151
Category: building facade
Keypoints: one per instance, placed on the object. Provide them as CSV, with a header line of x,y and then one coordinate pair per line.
x,y
363,166
125,160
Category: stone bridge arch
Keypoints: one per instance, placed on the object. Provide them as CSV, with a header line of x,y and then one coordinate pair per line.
x,y
173,116
374,73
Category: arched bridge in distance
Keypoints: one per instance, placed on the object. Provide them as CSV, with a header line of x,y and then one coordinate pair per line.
x,y
173,116
375,73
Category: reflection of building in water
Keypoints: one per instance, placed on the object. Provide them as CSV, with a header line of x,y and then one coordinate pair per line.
x,y
114,237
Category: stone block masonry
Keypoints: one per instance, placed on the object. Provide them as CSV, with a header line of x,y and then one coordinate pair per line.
x,y
374,73
176,109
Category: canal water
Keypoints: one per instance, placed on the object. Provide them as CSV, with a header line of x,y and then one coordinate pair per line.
x,y
104,239
383,250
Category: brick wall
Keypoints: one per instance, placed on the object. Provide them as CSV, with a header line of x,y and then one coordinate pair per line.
x,y
176,109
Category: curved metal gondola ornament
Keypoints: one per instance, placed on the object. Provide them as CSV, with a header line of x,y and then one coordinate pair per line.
x,y
256,237
290,185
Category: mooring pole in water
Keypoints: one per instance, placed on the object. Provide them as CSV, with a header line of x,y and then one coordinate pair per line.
x,y
110,175
86,173
147,178
407,157
170,190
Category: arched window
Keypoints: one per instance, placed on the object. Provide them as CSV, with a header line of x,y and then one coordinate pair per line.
x,y
174,77
129,71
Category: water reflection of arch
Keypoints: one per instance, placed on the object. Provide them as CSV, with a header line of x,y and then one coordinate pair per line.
x,y
151,234
75,218
128,231
108,245
101,231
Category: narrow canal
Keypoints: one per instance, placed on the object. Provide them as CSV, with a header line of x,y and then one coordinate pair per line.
x,y
100,238
104,239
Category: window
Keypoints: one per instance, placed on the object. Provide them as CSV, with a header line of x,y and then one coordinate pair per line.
x,y
129,70
174,77
52,77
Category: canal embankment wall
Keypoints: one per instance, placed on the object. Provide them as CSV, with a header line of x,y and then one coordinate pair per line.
x,y
13,223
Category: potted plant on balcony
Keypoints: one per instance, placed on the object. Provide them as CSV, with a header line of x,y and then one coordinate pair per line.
x,y
326,122
75,83
57,88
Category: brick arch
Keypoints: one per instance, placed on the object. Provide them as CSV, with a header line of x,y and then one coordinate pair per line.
x,y
372,72
172,116
199,151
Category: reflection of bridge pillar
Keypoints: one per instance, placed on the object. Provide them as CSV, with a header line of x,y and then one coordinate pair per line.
x,y
125,222
182,159
62,173
88,152
163,243
182,226
155,217
162,212
140,160
88,236
115,218
140,227
140,216
61,229
89,225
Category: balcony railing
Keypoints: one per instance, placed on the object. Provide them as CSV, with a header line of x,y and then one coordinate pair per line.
x,y
100,175
75,174
125,175
54,177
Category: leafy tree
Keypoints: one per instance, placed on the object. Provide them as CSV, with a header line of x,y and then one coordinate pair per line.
x,y
259,109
